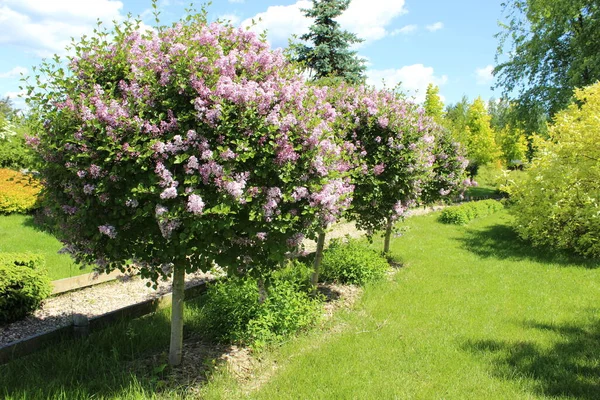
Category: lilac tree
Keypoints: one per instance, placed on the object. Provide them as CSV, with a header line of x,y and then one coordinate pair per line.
x,y
404,157
183,146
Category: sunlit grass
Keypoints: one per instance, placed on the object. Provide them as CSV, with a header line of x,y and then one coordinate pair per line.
x,y
18,234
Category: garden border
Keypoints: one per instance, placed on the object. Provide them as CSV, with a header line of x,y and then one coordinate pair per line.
x,y
38,341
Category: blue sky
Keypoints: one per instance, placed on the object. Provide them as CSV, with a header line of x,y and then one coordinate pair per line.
x,y
449,43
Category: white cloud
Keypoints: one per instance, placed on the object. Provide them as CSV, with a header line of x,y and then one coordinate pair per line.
x,y
413,79
435,26
234,19
14,73
484,75
405,30
281,22
17,99
368,19
45,27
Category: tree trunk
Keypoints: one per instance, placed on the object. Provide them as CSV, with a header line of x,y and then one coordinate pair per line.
x,y
317,263
176,349
388,235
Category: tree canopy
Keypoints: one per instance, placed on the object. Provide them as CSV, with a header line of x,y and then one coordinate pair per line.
x,y
552,48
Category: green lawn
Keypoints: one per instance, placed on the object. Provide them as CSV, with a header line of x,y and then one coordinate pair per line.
x,y
473,314
19,234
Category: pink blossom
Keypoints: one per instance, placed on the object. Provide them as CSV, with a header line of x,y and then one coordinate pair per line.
x,y
195,204
169,193
378,169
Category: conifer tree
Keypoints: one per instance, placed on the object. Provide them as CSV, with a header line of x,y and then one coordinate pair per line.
x,y
330,55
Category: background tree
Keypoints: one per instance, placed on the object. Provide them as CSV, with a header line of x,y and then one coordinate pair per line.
x,y
552,48
480,137
434,107
330,54
456,119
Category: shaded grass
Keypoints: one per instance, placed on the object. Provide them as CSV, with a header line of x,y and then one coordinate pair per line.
x,y
19,234
482,191
128,360
473,314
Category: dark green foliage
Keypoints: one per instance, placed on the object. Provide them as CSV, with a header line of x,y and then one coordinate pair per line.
x,y
236,311
352,262
296,272
331,55
466,212
23,285
552,49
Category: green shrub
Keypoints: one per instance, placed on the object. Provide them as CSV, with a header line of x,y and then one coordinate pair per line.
x,y
23,285
352,262
297,273
464,213
15,154
285,311
234,312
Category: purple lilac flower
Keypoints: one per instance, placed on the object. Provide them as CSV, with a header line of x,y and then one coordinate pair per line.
x,y
262,236
195,204
108,230
88,188
378,169
169,193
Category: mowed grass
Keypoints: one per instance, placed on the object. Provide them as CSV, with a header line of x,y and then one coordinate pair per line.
x,y
18,234
473,313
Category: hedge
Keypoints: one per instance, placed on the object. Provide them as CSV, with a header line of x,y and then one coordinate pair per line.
x,y
24,284
466,212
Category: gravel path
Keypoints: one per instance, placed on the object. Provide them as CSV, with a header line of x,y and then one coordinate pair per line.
x,y
92,301
96,300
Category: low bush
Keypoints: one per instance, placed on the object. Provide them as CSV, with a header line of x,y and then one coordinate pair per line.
x,y
352,262
464,213
23,285
18,192
236,311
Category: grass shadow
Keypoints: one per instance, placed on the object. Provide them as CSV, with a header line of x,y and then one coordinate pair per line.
x,y
502,242
126,360
570,367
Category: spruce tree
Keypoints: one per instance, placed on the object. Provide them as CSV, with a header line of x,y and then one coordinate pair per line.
x,y
330,56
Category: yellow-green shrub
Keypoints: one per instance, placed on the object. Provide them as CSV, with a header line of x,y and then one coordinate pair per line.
x,y
18,192
558,203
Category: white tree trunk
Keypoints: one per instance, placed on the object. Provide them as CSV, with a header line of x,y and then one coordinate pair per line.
x,y
317,263
388,235
176,348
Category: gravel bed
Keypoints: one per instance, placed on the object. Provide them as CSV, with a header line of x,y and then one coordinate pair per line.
x,y
58,311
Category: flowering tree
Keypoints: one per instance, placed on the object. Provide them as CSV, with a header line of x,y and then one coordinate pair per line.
x,y
404,157
184,146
